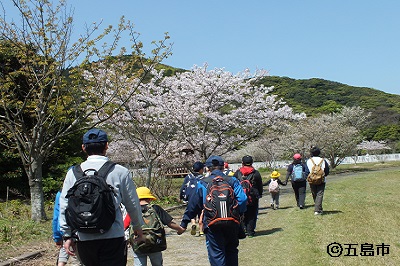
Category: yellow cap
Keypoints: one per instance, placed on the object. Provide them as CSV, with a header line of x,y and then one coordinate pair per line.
x,y
275,174
144,193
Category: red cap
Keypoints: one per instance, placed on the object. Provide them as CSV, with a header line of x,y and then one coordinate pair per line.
x,y
226,165
297,156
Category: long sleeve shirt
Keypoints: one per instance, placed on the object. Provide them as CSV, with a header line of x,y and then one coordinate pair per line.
x,y
57,233
196,202
124,192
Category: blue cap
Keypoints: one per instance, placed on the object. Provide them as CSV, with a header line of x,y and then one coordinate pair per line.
x,y
197,166
94,135
214,160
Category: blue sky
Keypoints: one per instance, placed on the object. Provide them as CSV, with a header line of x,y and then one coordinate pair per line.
x,y
355,42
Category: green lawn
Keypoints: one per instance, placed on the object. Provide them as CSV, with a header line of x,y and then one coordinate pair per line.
x,y
361,213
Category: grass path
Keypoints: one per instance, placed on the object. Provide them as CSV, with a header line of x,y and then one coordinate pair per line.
x,y
361,215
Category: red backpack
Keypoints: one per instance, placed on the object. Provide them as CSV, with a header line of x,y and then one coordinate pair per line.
x,y
221,206
248,188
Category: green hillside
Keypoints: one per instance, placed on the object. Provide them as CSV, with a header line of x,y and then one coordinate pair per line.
x,y
316,96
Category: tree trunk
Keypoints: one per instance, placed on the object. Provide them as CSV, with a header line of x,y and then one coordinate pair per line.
x,y
36,189
149,171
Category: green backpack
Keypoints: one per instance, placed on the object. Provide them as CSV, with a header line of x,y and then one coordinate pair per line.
x,y
153,232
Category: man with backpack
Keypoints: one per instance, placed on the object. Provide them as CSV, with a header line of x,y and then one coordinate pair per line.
x,y
188,188
296,172
316,171
252,184
99,228
221,200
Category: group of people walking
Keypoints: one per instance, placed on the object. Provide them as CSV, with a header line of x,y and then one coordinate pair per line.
x,y
299,172
225,204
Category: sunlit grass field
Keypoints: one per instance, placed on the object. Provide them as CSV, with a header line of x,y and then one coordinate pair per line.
x,y
361,216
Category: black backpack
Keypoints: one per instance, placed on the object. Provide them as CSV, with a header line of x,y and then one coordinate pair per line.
x,y
221,206
91,206
248,188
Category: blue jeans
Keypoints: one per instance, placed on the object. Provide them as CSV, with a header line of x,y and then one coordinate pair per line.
x,y
156,259
222,245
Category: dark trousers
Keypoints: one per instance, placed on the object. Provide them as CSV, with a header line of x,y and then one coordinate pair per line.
x,y
250,218
299,189
103,252
222,245
318,195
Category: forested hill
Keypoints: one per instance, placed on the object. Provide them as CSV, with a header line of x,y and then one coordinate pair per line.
x,y
311,95
315,96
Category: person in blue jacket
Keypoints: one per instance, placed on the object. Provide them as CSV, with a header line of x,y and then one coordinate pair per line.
x,y
57,233
222,241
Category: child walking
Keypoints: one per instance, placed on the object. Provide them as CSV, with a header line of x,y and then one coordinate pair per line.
x,y
274,188
62,257
140,258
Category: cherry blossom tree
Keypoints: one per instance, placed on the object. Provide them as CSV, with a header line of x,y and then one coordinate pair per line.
x,y
337,134
217,112
198,112
373,146
343,133
370,147
43,95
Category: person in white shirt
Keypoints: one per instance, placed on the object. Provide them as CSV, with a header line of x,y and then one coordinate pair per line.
x,y
317,190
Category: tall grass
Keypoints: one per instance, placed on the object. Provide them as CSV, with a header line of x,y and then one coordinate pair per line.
x,y
360,209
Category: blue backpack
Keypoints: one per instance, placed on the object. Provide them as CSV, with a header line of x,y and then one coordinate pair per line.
x,y
190,187
297,173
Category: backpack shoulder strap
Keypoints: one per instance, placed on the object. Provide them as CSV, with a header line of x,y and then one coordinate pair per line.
x,y
312,161
239,175
250,177
77,170
320,163
106,168
151,208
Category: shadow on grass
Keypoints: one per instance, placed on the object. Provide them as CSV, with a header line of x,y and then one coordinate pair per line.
x,y
286,207
268,232
331,212
280,208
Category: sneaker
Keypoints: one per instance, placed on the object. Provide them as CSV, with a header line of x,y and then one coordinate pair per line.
x,y
272,205
201,233
193,231
301,207
318,213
